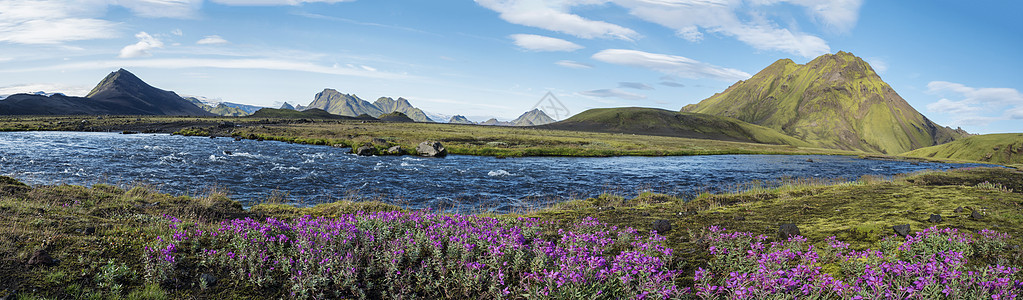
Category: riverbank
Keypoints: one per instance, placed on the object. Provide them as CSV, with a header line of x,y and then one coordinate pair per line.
x,y
479,140
77,242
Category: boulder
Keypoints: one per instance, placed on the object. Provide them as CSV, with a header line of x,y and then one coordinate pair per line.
x,y
935,218
379,142
431,149
366,151
208,279
396,150
40,257
662,226
959,210
976,215
901,230
785,231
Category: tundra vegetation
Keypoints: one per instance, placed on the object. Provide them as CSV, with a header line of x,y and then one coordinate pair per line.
x,y
134,242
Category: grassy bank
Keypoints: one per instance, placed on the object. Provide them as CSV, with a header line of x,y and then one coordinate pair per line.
x,y
111,242
459,139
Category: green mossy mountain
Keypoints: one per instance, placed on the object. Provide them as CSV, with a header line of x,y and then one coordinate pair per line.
x,y
337,103
834,101
389,105
654,121
395,117
1003,148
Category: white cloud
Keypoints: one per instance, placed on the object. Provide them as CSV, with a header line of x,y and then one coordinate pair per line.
x,y
669,64
635,85
976,106
726,17
879,65
53,22
177,32
274,2
182,9
555,16
952,107
613,93
44,87
241,63
672,84
573,64
534,42
212,40
146,42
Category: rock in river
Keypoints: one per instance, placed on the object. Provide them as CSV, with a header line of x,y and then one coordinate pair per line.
x,y
431,149
366,150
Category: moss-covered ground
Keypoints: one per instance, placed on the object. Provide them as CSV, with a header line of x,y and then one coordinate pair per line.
x,y
457,138
67,242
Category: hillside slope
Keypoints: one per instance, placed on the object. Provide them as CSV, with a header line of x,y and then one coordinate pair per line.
x,y
337,103
653,121
1004,148
389,105
835,101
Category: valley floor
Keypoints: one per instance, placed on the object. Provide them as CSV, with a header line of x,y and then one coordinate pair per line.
x,y
457,138
105,241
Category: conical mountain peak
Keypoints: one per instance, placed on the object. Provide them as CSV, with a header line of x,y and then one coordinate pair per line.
x,y
833,101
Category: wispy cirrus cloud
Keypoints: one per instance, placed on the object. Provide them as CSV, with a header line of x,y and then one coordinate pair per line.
x,y
613,93
555,16
573,64
635,85
975,106
669,64
532,42
747,21
236,63
212,40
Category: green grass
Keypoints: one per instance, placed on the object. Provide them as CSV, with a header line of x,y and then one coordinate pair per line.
x,y
652,121
95,235
1005,149
457,138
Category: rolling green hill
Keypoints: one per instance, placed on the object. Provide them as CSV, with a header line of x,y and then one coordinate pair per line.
x,y
653,121
1004,148
834,101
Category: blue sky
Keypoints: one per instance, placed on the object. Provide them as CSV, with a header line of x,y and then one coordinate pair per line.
x,y
957,62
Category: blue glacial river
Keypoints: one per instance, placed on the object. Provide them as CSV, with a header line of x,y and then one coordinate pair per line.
x,y
252,171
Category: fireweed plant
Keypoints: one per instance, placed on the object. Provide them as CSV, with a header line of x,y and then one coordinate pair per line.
x,y
932,264
396,255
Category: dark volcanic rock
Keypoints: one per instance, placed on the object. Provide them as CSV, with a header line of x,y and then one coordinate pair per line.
x,y
901,230
935,218
959,210
40,257
431,149
366,151
379,142
210,280
396,150
662,226
785,231
976,215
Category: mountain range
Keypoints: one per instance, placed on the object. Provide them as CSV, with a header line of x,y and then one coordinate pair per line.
x,y
834,101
